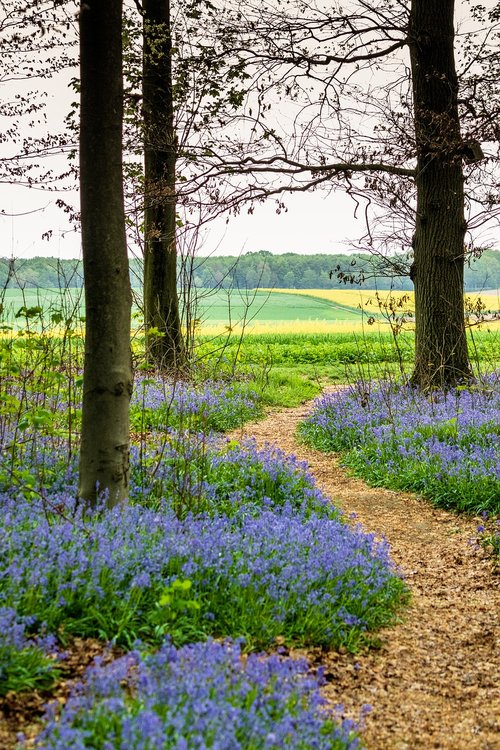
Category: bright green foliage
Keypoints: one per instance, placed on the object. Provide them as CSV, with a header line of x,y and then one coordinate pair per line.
x,y
26,669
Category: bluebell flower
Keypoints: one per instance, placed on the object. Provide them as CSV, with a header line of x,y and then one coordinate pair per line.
x,y
203,695
445,445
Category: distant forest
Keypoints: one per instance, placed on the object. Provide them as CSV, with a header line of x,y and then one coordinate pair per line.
x,y
261,269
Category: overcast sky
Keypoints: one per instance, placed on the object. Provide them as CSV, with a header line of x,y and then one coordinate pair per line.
x,y
315,222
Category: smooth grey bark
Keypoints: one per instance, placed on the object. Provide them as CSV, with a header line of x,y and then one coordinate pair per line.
x,y
107,378
441,357
164,340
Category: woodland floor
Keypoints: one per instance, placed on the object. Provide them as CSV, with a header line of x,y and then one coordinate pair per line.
x,y
435,680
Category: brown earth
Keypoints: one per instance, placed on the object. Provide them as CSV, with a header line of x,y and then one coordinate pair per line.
x,y
435,680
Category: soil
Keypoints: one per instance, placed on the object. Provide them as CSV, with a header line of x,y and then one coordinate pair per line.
x,y
434,680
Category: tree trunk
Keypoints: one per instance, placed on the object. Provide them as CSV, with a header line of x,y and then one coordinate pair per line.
x,y
107,378
441,357
164,340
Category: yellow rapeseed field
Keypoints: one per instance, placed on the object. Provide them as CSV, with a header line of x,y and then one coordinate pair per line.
x,y
295,326
373,301
365,299
369,301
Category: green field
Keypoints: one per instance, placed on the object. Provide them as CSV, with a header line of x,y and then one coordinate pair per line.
x,y
16,298
297,342
268,306
39,306
211,307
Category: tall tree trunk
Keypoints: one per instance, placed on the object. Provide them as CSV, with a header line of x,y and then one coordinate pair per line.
x,y
441,357
107,377
164,340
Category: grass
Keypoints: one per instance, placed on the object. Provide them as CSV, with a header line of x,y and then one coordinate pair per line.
x,y
220,543
27,668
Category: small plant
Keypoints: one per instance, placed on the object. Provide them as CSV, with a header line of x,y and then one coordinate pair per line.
x,y
174,604
488,536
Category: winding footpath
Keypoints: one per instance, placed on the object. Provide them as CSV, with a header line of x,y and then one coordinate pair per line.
x,y
435,680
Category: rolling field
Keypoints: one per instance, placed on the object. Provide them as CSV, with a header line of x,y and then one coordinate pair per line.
x,y
277,311
270,305
372,301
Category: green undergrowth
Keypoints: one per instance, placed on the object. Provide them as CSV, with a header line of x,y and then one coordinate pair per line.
x,y
26,669
343,358
329,348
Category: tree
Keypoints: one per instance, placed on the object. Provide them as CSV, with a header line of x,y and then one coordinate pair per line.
x,y
164,340
398,145
437,271
37,42
107,378
189,95
178,93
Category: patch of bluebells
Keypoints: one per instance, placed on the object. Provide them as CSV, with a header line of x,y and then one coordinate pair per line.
x,y
218,539
186,471
36,464
12,631
158,404
444,445
211,406
193,472
309,579
39,456
199,696
266,553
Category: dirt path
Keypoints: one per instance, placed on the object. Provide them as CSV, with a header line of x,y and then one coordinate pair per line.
x,y
435,682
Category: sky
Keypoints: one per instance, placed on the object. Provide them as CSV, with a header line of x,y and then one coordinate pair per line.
x,y
314,222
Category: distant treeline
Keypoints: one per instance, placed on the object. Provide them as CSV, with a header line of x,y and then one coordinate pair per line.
x,y
262,269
